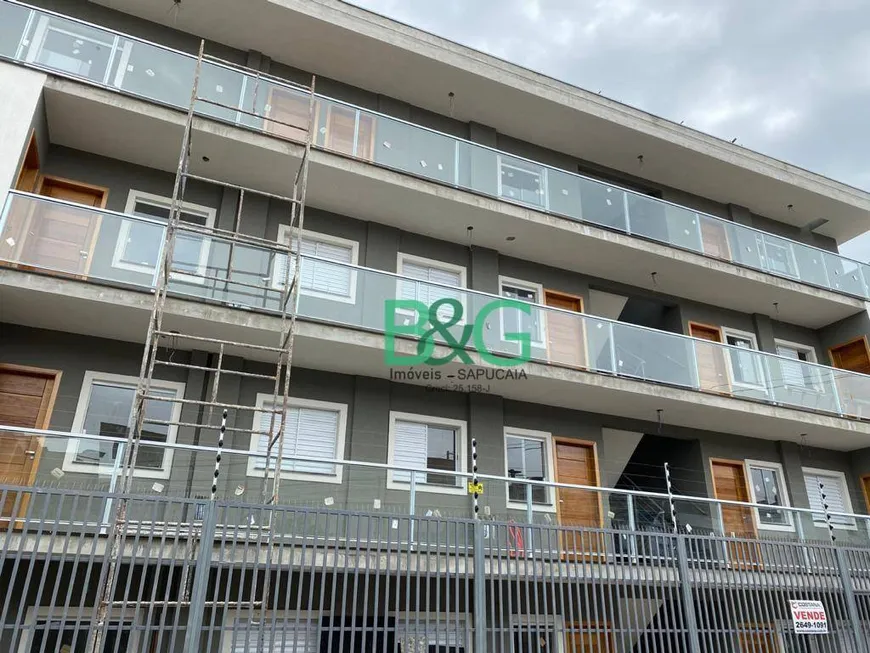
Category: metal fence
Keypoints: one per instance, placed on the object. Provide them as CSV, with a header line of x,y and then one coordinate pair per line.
x,y
228,576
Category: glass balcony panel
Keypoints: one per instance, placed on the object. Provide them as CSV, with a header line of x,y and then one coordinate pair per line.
x,y
778,257
477,168
563,194
853,391
719,239
844,274
280,110
746,246
13,23
653,356
865,273
664,222
396,144
803,385
746,373
603,204
522,181
220,86
155,73
69,47
811,265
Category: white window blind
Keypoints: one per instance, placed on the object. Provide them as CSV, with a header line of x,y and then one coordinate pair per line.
x,y
793,372
316,275
422,291
835,495
308,432
420,638
281,636
410,449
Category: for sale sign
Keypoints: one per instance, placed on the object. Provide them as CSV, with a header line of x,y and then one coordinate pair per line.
x,y
809,617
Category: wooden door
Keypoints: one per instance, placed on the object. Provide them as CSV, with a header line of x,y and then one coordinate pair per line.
x,y
566,337
715,239
854,391
712,367
729,484
29,173
62,238
760,638
590,638
865,485
576,463
287,114
26,399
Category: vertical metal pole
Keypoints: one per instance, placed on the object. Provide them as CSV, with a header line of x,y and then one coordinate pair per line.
x,y
827,514
632,525
836,393
200,581
474,495
671,497
688,602
530,517
412,506
217,458
479,589
613,362
849,595
696,378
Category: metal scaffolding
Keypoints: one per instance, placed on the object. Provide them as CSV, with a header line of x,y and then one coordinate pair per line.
x,y
157,337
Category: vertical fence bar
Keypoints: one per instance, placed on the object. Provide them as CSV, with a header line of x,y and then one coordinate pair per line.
x,y
686,591
200,580
412,507
479,588
849,596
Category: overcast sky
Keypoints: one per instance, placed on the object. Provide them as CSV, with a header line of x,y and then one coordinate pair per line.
x,y
789,78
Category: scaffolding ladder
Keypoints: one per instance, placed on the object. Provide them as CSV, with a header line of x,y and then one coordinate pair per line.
x,y
158,336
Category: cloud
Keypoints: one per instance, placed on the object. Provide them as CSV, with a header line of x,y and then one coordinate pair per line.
x,y
790,78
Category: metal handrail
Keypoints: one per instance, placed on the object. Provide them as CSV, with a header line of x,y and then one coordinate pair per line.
x,y
458,475
285,83
279,248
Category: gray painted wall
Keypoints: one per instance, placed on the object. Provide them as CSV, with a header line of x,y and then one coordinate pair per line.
x,y
439,121
369,402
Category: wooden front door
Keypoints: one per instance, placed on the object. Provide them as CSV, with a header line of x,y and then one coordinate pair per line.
x,y
712,367
729,484
58,237
26,399
591,638
287,114
854,391
715,239
759,638
566,336
577,464
28,176
865,484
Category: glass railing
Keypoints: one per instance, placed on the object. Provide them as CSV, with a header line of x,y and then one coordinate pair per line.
x,y
93,462
96,245
160,74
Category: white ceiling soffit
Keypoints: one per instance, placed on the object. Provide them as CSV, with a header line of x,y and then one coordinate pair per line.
x,y
358,47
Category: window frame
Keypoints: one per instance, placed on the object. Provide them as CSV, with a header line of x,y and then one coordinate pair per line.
x,y
228,631
90,378
539,339
817,385
284,235
549,468
781,487
461,427
818,519
117,615
402,258
555,621
729,348
295,402
166,202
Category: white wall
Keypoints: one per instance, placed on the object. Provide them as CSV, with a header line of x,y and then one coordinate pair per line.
x,y
21,91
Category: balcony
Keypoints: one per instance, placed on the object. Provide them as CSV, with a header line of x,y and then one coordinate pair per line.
x,y
95,247
158,74
193,569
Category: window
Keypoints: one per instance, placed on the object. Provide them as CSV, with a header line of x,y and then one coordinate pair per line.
x,y
71,47
421,442
521,180
833,484
282,632
312,429
140,242
320,278
516,321
528,455
744,364
767,486
104,408
779,255
421,273
794,373
49,633
421,635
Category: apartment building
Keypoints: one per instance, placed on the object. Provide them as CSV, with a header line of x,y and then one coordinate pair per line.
x,y
562,375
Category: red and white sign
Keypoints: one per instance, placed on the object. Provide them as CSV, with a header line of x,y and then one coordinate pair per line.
x,y
809,617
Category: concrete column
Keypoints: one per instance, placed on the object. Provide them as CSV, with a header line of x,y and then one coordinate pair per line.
x,y
764,332
368,440
484,270
740,214
258,61
226,214
790,458
382,247
482,134
486,425
21,90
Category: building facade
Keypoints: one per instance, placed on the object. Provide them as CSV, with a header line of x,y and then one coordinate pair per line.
x,y
563,375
